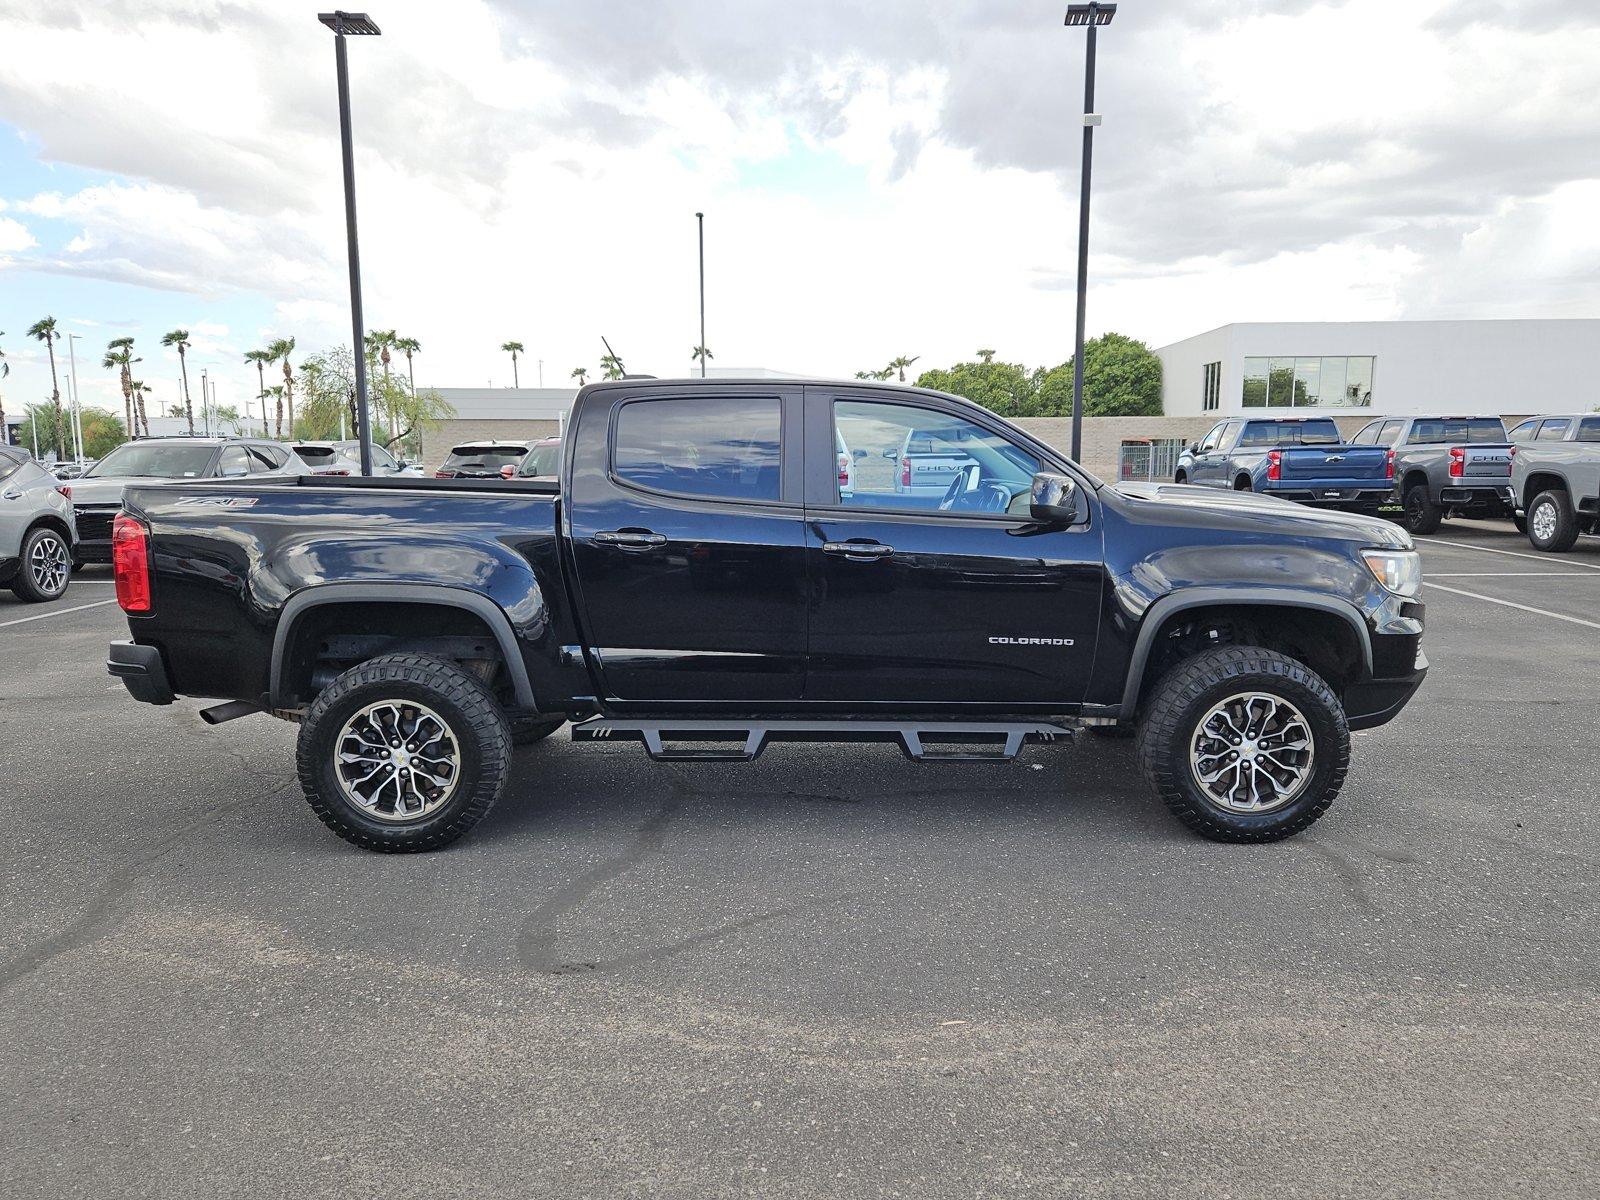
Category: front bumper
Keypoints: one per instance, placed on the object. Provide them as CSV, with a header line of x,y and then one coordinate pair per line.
x,y
94,534
142,672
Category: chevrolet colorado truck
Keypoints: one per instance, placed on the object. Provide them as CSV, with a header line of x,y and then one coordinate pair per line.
x,y
1444,467
1555,479
1296,458
695,580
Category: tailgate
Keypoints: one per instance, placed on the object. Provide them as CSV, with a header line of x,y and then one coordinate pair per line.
x,y
1489,463
1335,464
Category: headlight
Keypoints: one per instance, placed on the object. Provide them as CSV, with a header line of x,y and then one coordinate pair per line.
x,y
1398,570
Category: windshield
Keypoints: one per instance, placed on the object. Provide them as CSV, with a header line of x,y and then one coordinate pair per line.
x,y
1290,433
1457,429
484,458
543,460
143,460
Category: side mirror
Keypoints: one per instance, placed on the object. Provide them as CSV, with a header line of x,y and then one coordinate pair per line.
x,y
860,454
891,454
1054,499
1194,447
508,472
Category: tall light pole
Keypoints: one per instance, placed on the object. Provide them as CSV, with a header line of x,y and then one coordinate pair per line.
x,y
1092,16
700,222
77,409
343,23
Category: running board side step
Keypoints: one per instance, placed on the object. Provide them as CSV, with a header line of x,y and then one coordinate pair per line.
x,y
917,740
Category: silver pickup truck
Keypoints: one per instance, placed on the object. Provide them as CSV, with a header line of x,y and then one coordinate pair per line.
x,y
1444,467
1555,478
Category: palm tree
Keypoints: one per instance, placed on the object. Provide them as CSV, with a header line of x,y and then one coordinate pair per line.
x,y
514,349
879,375
119,357
900,364
276,392
261,358
379,342
140,390
281,349
612,366
45,331
581,374
700,355
180,339
409,346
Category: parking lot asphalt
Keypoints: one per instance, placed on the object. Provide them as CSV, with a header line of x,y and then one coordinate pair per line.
x,y
827,973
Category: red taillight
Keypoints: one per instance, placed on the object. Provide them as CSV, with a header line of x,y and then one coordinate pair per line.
x,y
330,471
65,489
905,472
1388,471
130,563
1274,464
844,470
444,474
1458,462
1513,453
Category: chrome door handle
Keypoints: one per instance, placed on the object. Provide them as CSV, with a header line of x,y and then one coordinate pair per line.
x,y
629,539
858,550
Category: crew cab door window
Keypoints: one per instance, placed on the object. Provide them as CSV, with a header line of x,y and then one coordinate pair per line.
x,y
725,449
1211,441
1368,435
1390,432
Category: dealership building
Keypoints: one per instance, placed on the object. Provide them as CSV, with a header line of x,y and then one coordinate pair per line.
x,y
1501,368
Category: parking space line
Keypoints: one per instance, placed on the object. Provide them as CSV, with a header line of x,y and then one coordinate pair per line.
x,y
1543,612
1508,575
1544,558
55,612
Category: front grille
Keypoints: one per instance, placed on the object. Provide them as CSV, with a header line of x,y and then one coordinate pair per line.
x,y
94,526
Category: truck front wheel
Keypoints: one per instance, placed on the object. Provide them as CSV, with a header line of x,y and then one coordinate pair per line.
x,y
403,753
1245,744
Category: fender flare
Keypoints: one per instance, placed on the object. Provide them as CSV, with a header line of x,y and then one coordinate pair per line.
x,y
443,595
1156,615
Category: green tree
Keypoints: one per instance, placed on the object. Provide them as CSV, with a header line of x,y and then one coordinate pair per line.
x,y
45,331
228,414
581,374
119,358
702,356
379,343
180,339
514,349
282,350
328,385
103,432
275,392
1121,378
409,346
881,374
1004,388
900,364
261,358
611,366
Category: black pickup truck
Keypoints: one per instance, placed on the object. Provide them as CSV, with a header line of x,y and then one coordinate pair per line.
x,y
698,580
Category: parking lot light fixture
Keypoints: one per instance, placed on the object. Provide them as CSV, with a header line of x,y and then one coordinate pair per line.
x,y
346,24
1091,16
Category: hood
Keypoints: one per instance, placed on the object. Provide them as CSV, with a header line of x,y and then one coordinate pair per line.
x,y
1250,510
96,491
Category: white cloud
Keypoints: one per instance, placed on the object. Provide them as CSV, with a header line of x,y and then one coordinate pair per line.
x,y
14,236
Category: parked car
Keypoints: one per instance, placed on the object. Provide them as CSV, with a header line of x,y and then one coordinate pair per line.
x,y
416,629
1444,467
543,461
927,464
1555,478
482,460
344,458
37,529
71,469
97,497
1304,459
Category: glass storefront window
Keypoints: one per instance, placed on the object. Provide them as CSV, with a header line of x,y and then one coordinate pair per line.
x,y
1309,382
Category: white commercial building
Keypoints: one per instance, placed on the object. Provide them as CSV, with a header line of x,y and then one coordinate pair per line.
x,y
1382,367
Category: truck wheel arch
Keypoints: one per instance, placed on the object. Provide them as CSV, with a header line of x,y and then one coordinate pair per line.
x,y
1159,614
434,595
1542,481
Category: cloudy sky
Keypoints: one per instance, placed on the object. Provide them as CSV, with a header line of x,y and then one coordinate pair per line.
x,y
879,178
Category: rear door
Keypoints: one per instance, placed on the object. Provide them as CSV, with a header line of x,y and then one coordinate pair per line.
x,y
685,523
953,601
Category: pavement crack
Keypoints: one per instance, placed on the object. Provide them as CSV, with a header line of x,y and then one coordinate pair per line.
x,y
1345,868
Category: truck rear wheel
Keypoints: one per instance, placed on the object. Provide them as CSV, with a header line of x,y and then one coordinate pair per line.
x,y
1552,525
1244,744
403,753
1422,515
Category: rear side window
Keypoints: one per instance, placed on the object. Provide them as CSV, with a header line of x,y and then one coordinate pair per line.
x,y
9,463
726,449
1290,433
1427,431
1589,429
1553,431
235,462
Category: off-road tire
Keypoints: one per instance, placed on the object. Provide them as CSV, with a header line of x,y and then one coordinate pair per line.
x,y
26,587
476,722
1566,522
525,731
1422,515
1181,700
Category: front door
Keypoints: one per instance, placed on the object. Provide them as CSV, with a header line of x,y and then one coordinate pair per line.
x,y
688,545
1208,459
955,600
